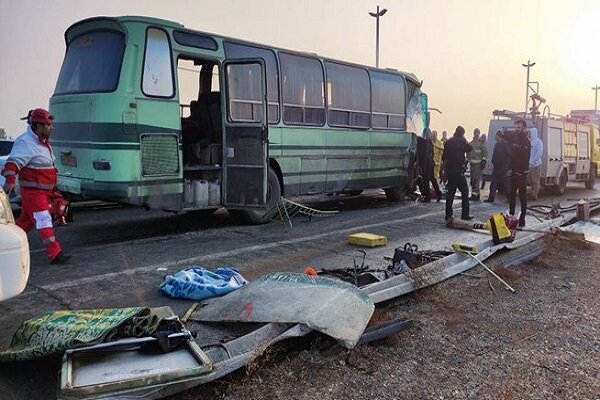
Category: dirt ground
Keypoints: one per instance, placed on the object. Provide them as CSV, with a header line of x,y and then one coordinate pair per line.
x,y
470,339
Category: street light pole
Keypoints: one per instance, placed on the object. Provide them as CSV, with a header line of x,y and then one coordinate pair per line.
x,y
376,15
596,88
528,66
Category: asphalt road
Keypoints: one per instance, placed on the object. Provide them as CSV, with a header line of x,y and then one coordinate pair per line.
x,y
121,255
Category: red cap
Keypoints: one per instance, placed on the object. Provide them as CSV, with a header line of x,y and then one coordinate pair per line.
x,y
39,115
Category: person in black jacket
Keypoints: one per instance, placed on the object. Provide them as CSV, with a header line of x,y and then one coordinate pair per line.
x,y
520,148
501,165
453,162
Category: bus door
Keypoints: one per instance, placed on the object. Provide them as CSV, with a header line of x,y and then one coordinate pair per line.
x,y
245,150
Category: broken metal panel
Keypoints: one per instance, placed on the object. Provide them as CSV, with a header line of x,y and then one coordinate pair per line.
x,y
119,369
330,306
440,270
239,353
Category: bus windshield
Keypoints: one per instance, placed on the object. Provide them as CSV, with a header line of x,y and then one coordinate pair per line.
x,y
92,63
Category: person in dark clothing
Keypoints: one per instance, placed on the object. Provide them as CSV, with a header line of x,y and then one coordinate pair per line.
x,y
453,162
427,167
501,165
520,148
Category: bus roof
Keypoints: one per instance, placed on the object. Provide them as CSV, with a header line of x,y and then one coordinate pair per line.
x,y
176,25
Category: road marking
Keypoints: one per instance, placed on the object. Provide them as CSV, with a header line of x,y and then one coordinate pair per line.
x,y
196,259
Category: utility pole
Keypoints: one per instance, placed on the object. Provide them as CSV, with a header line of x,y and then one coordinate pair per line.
x,y
376,15
596,88
528,66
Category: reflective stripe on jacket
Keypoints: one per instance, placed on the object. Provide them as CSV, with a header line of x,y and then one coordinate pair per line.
x,y
478,153
32,159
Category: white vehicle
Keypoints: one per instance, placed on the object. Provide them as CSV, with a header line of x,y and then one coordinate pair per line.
x,y
14,253
571,151
15,195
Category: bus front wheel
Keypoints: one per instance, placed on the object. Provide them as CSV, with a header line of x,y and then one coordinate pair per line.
x,y
257,217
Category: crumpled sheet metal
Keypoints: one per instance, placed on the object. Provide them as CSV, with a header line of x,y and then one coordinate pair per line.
x,y
447,267
329,306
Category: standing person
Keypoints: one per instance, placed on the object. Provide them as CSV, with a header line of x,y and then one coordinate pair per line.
x,y
476,158
442,176
31,158
444,137
429,168
453,163
520,148
500,167
535,162
483,139
438,149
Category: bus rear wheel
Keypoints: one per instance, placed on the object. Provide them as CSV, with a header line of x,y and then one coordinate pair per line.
x,y
395,194
257,217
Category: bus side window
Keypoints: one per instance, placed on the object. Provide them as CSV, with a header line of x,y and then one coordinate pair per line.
x,y
245,92
348,100
303,90
157,76
388,101
238,51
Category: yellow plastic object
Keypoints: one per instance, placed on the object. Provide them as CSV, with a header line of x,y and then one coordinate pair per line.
x,y
463,248
496,224
367,239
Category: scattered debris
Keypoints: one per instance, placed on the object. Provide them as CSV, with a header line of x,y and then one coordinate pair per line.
x,y
330,306
287,209
465,250
53,332
113,370
275,307
383,330
189,312
198,283
367,239
590,230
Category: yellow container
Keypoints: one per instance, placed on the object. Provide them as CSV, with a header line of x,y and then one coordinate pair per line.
x,y
367,239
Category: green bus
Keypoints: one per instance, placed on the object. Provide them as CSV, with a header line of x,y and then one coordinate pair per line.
x,y
150,113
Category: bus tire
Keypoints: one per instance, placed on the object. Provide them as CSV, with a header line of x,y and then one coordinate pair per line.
x,y
394,194
258,217
561,186
591,181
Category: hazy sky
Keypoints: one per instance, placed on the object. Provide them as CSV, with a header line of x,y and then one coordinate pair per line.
x,y
467,52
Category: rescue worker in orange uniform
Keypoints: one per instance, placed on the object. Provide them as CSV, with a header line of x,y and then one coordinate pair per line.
x,y
32,160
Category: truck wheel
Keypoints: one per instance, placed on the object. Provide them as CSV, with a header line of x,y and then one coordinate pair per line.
x,y
561,187
591,181
257,217
395,194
